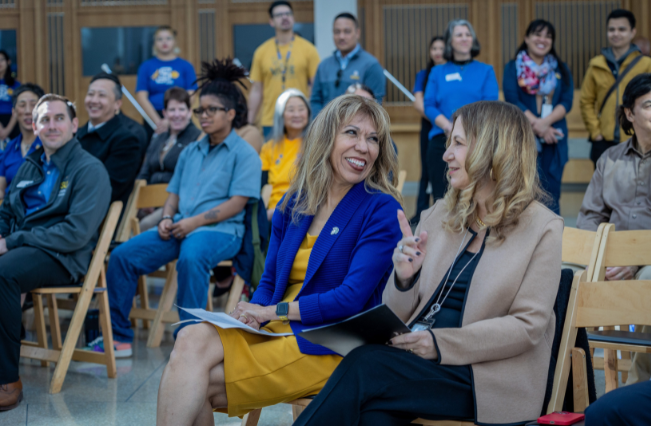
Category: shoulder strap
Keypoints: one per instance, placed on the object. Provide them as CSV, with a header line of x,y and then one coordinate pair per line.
x,y
619,80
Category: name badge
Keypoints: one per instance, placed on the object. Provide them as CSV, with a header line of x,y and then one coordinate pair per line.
x,y
24,183
546,110
452,77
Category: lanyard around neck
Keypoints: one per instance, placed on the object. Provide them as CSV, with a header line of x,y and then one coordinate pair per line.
x,y
280,57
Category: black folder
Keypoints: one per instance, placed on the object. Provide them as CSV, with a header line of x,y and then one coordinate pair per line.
x,y
375,326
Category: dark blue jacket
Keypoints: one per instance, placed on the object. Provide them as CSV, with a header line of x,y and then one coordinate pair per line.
x,y
563,94
348,269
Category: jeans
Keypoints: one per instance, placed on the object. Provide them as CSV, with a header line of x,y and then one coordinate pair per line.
x,y
197,254
437,168
622,407
548,181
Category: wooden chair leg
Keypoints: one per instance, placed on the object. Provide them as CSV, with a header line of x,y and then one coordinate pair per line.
x,y
39,323
296,411
252,418
55,328
610,369
134,322
625,355
72,337
165,305
144,299
107,330
580,380
235,294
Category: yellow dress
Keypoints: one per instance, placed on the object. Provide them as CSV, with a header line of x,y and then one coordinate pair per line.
x,y
261,371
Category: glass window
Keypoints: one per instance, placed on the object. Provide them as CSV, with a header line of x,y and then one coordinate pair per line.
x,y
8,44
247,38
121,48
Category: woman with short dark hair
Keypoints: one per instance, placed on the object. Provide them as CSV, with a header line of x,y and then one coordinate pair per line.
x,y
460,81
538,83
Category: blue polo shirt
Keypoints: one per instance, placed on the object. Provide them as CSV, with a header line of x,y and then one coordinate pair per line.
x,y
206,176
37,196
6,92
12,158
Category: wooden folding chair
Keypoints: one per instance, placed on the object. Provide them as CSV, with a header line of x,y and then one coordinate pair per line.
x,y
124,230
622,248
402,177
94,283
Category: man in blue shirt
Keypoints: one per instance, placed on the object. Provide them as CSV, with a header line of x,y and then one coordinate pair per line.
x,y
48,226
203,217
349,64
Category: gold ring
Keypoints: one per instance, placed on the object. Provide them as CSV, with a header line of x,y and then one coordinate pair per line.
x,y
411,351
245,317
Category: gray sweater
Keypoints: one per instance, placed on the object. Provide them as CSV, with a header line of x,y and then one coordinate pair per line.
x,y
67,226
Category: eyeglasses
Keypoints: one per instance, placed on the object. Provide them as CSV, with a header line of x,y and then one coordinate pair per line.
x,y
210,111
283,14
338,81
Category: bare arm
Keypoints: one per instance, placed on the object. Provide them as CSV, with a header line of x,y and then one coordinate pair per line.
x,y
225,210
255,99
419,104
171,205
143,100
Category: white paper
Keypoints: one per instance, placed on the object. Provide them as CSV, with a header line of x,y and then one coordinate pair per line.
x,y
546,110
454,76
225,321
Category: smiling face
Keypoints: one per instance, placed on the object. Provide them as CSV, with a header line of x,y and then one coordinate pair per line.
x,y
355,150
53,125
164,42
436,52
282,18
23,110
178,114
620,33
296,114
346,35
100,101
461,40
455,155
539,43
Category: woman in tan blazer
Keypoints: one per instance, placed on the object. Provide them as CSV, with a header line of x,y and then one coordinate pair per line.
x,y
480,348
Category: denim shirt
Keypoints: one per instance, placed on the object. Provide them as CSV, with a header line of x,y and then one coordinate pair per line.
x,y
36,197
205,178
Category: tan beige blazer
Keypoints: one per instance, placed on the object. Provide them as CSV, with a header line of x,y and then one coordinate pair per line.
x,y
508,320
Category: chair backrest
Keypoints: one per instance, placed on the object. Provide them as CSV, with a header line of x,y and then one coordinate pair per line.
x,y
402,177
610,303
582,247
152,196
623,248
130,211
103,243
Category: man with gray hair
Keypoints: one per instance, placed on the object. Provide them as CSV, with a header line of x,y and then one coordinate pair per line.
x,y
106,138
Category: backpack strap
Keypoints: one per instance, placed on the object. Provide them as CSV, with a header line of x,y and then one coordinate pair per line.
x,y
619,79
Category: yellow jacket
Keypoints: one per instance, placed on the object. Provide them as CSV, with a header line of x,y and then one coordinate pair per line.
x,y
598,79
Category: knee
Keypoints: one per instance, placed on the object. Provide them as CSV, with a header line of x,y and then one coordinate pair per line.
x,y
611,409
186,263
197,343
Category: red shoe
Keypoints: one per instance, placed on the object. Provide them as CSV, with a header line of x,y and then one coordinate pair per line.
x,y
10,395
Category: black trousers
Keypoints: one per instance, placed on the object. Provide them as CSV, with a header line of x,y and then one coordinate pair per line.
x,y
377,385
627,406
423,201
598,148
436,167
22,270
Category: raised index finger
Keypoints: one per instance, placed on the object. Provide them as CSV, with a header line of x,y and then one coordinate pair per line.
x,y
404,225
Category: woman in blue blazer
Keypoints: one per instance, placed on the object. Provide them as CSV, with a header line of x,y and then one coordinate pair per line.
x,y
541,85
329,258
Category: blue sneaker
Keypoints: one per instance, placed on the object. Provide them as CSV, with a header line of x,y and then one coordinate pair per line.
x,y
122,350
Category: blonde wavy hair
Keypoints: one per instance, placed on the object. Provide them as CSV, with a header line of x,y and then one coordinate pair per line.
x,y
314,173
501,147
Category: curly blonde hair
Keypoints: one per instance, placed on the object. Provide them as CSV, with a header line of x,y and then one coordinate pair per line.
x,y
502,147
314,173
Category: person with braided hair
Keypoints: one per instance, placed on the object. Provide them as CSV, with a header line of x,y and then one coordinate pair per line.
x,y
203,217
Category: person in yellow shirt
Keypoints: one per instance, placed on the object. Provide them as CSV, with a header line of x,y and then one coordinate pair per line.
x,y
283,62
280,154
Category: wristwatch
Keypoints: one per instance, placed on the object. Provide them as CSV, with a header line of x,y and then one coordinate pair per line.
x,y
282,310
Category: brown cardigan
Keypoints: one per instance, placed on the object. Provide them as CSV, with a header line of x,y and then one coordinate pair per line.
x,y
508,319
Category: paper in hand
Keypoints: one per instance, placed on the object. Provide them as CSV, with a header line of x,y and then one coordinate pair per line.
x,y
225,321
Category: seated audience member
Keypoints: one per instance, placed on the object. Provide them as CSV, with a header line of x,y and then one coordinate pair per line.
x,y
165,148
328,259
622,407
24,100
477,284
107,138
279,156
620,191
203,217
46,243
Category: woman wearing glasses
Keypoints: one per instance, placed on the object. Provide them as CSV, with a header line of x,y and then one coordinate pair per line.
x,y
329,257
476,283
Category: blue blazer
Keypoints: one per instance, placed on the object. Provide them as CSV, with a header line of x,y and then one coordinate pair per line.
x,y
347,270
563,95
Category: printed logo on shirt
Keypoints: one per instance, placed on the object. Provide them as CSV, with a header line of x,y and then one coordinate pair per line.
x,y
452,77
63,188
64,184
5,92
165,75
355,75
